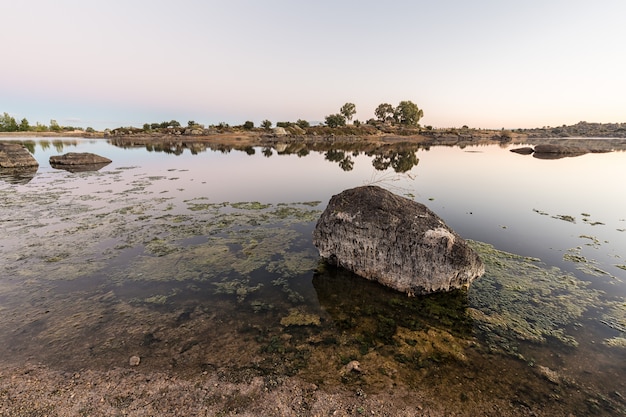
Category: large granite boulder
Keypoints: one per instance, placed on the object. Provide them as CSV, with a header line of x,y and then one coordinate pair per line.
x,y
79,161
394,241
15,155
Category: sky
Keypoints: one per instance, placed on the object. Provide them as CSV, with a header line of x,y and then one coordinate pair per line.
x,y
485,63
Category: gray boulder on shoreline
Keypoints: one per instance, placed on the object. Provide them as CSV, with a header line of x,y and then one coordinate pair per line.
x,y
394,241
15,155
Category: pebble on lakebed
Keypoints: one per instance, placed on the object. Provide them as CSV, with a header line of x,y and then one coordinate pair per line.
x,y
134,360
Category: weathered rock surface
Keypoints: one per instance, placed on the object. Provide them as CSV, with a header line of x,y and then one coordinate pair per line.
x,y
526,150
394,241
15,155
79,161
552,151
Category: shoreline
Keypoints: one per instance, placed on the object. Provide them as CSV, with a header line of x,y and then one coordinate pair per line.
x,y
242,140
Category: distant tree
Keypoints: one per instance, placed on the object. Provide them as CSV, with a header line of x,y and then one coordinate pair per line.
x,y
335,120
191,123
284,124
407,113
303,124
41,128
348,110
24,125
90,130
8,123
266,124
54,126
248,125
174,123
384,111
146,127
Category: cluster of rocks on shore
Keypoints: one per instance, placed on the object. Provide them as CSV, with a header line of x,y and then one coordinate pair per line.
x,y
17,162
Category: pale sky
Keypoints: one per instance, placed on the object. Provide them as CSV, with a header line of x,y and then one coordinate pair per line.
x,y
482,63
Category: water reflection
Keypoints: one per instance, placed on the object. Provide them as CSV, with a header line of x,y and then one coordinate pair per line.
x,y
18,175
401,157
80,168
373,313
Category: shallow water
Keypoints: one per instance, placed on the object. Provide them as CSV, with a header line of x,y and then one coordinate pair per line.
x,y
203,261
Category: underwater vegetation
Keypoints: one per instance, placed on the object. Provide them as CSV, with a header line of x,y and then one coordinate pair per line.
x,y
521,299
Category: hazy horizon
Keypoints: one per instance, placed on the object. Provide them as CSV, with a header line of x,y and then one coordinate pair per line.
x,y
487,64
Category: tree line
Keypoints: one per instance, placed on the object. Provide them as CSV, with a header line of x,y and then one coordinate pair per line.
x,y
406,113
9,124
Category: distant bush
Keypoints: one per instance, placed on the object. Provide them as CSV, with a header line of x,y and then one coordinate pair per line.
x,y
303,123
335,120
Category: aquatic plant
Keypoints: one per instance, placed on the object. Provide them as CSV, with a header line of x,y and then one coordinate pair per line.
x,y
588,266
299,317
519,298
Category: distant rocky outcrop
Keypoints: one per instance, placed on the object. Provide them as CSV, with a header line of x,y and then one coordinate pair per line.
x,y
562,148
78,162
553,151
15,155
394,241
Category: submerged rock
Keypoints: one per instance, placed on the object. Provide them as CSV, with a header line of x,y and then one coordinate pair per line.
x,y
394,241
15,155
78,162
526,150
555,151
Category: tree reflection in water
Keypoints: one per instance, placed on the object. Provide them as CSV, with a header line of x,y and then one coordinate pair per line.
x,y
401,157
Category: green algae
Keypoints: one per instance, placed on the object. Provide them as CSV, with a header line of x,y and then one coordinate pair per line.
x,y
594,241
565,217
521,299
299,317
238,287
254,205
587,266
619,342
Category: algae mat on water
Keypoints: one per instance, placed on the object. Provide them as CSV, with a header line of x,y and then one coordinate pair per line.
x,y
521,299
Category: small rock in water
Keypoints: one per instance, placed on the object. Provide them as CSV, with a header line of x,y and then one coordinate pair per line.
x,y
134,360
353,366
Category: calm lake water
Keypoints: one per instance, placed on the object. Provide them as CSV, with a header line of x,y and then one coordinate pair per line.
x,y
202,259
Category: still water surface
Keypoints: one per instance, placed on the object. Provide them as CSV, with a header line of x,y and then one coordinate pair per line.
x,y
178,256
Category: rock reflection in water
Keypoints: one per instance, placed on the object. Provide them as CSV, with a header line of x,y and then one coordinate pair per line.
x,y
80,168
417,329
18,175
